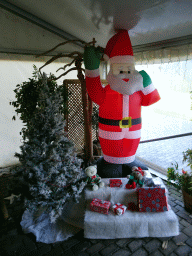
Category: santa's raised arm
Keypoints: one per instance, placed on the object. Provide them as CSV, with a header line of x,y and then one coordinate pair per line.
x,y
120,101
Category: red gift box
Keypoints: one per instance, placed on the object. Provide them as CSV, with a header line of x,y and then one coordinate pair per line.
x,y
119,209
98,205
152,200
115,183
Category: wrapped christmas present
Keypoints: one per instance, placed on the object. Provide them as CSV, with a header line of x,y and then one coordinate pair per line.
x,y
115,183
152,200
98,205
119,209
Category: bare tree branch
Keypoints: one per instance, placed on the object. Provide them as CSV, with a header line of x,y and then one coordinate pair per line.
x,y
51,60
69,41
60,55
69,70
93,42
71,55
68,65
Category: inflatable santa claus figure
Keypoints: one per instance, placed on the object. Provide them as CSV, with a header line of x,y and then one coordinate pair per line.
x,y
119,103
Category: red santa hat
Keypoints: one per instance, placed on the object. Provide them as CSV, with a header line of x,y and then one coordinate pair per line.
x,y
119,48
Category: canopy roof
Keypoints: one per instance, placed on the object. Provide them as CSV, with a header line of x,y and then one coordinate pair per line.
x,y
33,26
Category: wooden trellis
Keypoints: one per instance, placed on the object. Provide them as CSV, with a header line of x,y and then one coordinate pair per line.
x,y
75,119
86,101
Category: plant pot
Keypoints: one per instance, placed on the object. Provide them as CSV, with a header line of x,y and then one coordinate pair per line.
x,y
187,201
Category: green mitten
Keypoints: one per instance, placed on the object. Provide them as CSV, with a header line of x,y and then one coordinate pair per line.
x,y
146,78
92,57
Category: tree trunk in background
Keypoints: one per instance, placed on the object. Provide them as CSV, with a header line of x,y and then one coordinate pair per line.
x,y
87,113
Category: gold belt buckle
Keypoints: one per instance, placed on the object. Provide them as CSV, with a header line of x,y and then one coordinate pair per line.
x,y
129,122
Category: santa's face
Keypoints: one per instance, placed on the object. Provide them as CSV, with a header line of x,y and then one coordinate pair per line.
x,y
124,79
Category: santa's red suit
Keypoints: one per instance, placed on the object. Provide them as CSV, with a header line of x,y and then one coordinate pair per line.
x,y
119,114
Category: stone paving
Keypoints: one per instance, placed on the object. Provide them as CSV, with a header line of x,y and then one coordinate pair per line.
x,y
14,242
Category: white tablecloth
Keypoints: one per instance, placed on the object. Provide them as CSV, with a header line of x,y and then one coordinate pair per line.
x,y
77,216
130,224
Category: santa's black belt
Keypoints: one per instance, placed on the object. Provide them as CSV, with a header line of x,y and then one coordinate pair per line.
x,y
126,122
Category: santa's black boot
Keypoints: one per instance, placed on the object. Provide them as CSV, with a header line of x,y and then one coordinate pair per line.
x,y
108,170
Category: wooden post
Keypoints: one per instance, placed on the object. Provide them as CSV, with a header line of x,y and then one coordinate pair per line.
x,y
87,112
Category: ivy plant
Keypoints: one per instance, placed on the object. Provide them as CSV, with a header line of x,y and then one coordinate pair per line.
x,y
27,97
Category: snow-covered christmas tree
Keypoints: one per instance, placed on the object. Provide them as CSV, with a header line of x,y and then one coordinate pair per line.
x,y
49,163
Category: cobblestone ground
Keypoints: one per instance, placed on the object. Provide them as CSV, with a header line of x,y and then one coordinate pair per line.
x,y
14,242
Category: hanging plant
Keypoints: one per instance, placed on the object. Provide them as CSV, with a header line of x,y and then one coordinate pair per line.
x,y
27,96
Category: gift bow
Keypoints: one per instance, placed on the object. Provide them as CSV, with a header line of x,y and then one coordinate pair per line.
x,y
119,207
93,177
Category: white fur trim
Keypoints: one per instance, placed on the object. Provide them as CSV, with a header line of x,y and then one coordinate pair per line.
x,y
92,73
125,105
119,160
122,59
150,88
125,133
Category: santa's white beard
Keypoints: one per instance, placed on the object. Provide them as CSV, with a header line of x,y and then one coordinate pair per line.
x,y
134,84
